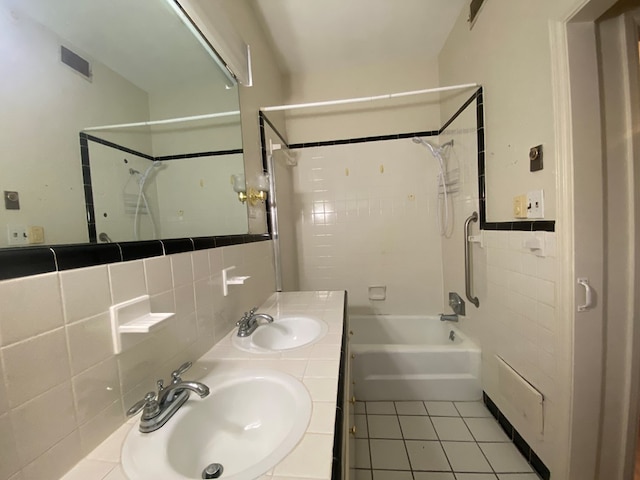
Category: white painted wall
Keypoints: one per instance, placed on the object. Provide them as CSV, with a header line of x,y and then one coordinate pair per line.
x,y
116,192
508,51
196,196
364,119
47,105
366,217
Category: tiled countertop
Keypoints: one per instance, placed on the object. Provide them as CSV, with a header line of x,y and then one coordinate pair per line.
x,y
317,366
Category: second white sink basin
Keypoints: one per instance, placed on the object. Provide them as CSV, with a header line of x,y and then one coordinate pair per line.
x,y
249,422
284,333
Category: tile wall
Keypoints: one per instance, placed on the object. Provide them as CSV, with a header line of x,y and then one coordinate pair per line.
x,y
366,217
62,390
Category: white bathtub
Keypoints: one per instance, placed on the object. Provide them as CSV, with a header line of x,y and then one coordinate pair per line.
x,y
412,358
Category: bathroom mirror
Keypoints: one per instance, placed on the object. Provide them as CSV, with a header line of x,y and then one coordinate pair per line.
x,y
84,158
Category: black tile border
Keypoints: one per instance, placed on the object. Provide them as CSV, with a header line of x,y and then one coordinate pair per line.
x,y
85,138
26,261
80,256
338,426
478,97
536,463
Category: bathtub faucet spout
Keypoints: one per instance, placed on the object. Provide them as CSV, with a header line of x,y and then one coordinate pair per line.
x,y
453,317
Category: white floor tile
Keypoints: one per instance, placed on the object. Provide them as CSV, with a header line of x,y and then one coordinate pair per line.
x,y
425,455
453,429
383,426
518,476
486,430
361,474
410,408
389,455
433,476
417,428
473,409
466,457
475,476
362,454
361,426
505,458
441,409
359,408
387,475
380,408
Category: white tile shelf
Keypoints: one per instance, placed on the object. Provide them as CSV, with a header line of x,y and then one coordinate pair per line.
x,y
134,317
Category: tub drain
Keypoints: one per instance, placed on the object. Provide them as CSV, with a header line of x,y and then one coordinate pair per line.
x,y
212,471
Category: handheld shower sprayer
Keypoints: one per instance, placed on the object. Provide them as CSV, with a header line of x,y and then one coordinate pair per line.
x,y
438,151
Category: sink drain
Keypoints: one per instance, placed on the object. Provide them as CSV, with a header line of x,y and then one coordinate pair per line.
x,y
213,471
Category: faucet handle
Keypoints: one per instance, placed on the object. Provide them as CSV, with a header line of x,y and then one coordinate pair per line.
x,y
253,310
175,375
148,403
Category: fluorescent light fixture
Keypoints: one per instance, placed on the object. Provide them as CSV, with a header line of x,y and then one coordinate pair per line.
x,y
203,41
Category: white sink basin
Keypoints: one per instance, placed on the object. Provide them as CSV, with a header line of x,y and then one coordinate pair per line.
x,y
249,422
284,333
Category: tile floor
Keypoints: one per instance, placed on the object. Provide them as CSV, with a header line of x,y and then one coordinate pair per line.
x,y
434,441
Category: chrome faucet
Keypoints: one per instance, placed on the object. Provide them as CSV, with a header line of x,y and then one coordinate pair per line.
x,y
249,322
451,317
159,408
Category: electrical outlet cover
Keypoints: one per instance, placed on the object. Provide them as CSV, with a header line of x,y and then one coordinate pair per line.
x,y
520,206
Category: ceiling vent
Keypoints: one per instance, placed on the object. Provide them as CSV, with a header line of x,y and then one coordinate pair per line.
x,y
474,10
75,61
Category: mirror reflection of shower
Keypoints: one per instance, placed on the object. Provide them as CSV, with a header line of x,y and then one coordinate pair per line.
x,y
444,214
141,203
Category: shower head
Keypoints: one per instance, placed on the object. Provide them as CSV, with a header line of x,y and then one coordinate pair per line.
x,y
434,149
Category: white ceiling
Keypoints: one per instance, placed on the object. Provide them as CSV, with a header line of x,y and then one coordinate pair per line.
x,y
142,40
311,35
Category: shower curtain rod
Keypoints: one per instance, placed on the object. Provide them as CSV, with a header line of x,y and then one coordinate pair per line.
x,y
164,122
367,99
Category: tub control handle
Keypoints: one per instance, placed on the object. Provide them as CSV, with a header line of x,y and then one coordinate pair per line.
x,y
467,259
353,430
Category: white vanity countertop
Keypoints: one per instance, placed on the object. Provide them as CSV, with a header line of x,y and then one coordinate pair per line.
x,y
317,366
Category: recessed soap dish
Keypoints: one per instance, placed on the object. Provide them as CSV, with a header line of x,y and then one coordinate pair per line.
x,y
134,316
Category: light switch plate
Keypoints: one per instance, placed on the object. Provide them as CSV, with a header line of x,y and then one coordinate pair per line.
x,y
535,204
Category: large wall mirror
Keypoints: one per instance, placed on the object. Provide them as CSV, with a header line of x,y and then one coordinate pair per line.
x,y
98,137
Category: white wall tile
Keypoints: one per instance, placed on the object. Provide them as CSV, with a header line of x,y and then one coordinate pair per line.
x,y
37,429
29,369
200,260
182,269
29,306
10,463
158,275
56,461
88,385
127,281
95,389
89,342
85,292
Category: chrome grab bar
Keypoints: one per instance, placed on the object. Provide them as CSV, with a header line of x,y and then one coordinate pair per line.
x,y
467,260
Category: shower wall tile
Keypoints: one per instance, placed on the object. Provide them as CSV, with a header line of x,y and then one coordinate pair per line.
x,y
89,385
366,217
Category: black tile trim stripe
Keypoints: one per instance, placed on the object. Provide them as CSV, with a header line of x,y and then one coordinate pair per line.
x,y
522,445
478,97
263,118
379,138
26,261
107,143
524,226
86,171
216,153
